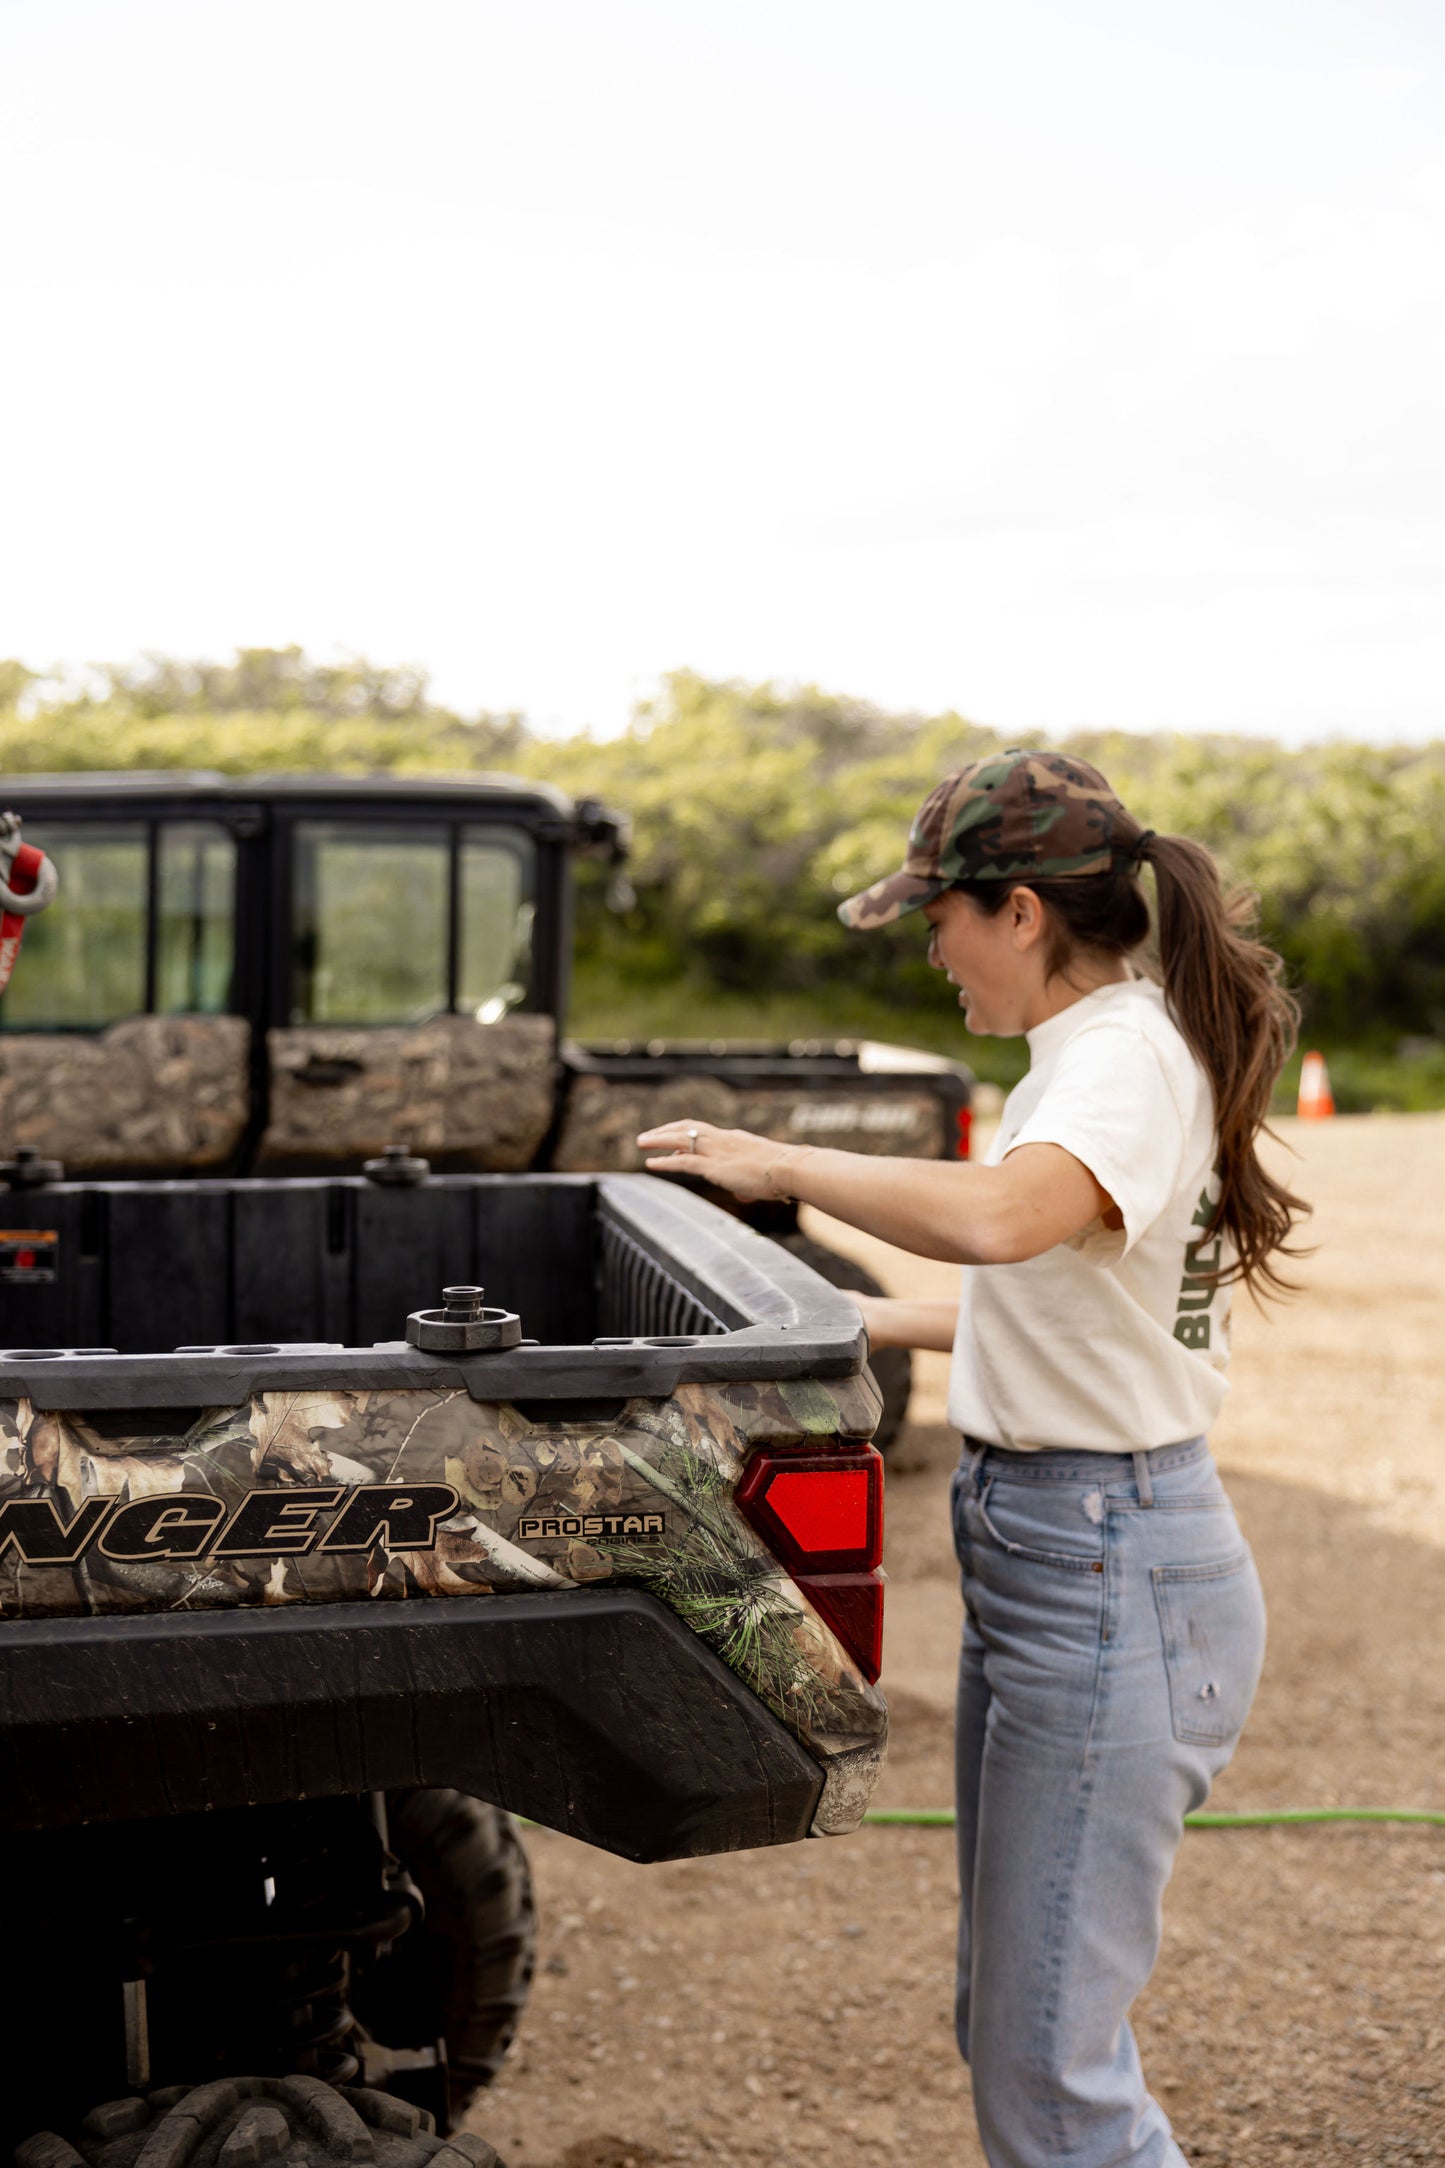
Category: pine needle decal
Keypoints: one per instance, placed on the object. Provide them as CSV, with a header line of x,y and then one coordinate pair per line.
x,y
723,1587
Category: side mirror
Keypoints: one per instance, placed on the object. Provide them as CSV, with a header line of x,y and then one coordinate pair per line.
x,y
602,832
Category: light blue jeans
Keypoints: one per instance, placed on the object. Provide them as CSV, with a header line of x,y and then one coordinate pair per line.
x,y
1112,1644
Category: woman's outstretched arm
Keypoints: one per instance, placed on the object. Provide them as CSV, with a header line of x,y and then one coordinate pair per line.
x,y
964,1214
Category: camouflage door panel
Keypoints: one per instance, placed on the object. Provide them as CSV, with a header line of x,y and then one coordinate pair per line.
x,y
163,1094
468,1096
603,1118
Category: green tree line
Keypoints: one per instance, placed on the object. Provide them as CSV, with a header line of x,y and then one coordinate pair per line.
x,y
756,808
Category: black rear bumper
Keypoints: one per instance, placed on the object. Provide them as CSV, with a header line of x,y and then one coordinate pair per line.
x,y
595,1712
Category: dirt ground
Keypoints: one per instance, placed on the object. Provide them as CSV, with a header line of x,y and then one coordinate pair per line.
x,y
793,2006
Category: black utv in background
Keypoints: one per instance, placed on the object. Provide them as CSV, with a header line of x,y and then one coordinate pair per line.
x,y
288,975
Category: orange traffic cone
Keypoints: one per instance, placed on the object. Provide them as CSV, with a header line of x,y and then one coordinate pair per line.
x,y
1316,1100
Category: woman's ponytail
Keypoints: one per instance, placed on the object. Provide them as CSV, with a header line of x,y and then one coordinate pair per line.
x,y
1225,993
1224,988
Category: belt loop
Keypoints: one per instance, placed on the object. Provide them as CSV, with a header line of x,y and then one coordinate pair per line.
x,y
1141,1479
975,1461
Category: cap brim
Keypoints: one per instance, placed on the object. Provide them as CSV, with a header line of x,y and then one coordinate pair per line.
x,y
889,899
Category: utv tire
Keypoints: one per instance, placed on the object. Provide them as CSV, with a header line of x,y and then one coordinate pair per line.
x,y
463,1974
892,1367
249,2122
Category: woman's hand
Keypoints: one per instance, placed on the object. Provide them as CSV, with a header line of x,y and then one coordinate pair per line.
x,y
734,1159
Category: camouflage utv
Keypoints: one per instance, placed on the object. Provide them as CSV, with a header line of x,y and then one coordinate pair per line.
x,y
344,1519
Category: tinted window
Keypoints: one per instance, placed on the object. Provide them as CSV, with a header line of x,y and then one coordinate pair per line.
x,y
195,918
83,959
370,913
495,911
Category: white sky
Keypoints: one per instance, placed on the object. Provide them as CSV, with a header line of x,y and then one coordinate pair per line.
x,y
1063,364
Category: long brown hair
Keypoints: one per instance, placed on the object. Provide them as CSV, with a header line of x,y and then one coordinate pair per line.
x,y
1225,992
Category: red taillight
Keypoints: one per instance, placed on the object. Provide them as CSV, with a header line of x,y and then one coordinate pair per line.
x,y
821,1516
965,1131
818,1512
852,1604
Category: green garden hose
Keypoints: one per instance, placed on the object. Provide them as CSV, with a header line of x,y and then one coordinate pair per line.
x,y
1264,1818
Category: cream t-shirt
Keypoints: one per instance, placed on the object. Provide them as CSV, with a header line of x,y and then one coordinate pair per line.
x,y
1112,1340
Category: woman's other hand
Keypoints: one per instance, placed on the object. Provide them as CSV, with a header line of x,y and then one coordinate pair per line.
x,y
882,1331
895,1322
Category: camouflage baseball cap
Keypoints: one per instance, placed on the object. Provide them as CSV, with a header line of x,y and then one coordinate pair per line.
x,y
1007,818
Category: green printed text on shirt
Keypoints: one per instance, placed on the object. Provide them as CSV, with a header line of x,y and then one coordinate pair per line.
x,y
1197,1291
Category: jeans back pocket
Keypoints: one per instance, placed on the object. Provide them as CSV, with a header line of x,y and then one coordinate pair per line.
x,y
1212,1620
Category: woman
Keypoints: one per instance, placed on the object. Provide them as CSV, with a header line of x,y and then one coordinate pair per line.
x,y
1114,1625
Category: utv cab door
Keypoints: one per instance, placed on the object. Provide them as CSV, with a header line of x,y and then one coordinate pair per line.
x,y
404,991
